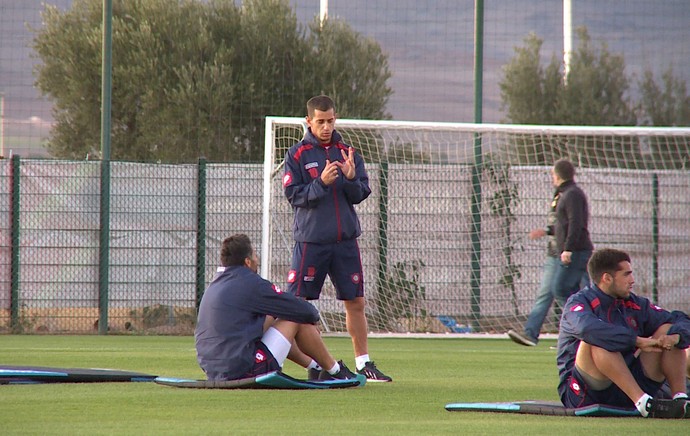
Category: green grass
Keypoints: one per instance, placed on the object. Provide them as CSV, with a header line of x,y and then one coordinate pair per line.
x,y
428,374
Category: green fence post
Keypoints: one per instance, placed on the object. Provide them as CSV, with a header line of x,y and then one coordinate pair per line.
x,y
106,96
201,231
104,249
655,238
14,220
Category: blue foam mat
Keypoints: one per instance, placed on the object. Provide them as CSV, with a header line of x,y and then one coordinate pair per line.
x,y
542,408
271,380
16,374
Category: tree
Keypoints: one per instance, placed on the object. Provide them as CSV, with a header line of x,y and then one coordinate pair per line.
x,y
596,93
196,78
529,92
666,105
597,87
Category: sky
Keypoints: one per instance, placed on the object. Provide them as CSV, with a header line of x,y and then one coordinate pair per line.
x,y
429,43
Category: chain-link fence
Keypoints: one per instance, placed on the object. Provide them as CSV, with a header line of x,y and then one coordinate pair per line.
x,y
60,272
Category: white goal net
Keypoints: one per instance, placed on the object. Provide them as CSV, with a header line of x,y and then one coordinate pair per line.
x,y
444,242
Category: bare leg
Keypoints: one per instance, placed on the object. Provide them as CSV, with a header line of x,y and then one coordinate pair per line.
x,y
297,356
309,341
605,365
356,322
671,361
666,364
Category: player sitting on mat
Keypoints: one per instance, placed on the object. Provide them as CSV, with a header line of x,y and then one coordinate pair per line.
x,y
246,325
616,348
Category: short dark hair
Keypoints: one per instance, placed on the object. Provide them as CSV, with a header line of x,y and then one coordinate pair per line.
x,y
235,250
605,260
320,103
564,169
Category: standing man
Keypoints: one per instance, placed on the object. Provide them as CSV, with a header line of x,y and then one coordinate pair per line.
x,y
616,348
246,325
568,250
324,178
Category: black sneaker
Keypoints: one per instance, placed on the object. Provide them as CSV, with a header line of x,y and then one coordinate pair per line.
x,y
343,374
372,373
522,339
660,408
313,374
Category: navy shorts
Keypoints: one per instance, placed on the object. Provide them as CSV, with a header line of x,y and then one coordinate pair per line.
x,y
264,362
311,263
578,394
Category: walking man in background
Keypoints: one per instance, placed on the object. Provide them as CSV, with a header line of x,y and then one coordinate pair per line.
x,y
568,250
324,178
616,348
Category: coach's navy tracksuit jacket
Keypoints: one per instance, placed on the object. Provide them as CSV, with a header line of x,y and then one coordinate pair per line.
x,y
613,324
231,318
323,214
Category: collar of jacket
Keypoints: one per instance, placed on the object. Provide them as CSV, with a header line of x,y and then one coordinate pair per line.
x,y
310,138
563,186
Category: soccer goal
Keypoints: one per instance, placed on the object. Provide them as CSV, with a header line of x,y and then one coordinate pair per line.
x,y
444,243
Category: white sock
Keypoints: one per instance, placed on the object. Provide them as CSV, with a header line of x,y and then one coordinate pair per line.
x,y
335,369
361,360
680,395
313,365
641,404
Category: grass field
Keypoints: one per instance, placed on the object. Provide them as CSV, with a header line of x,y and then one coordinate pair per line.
x,y
428,373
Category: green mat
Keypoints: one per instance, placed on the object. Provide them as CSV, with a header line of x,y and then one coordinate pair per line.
x,y
272,380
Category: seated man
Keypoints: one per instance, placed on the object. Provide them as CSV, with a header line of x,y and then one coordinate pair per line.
x,y
246,325
617,348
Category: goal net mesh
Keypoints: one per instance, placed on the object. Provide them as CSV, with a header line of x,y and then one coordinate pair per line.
x,y
444,243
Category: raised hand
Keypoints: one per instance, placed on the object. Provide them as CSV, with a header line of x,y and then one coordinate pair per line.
x,y
348,164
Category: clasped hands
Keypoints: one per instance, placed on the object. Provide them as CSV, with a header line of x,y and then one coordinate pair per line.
x,y
662,343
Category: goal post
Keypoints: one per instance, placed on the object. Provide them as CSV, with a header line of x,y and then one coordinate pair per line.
x,y
428,230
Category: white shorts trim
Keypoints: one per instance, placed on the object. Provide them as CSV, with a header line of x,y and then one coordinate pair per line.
x,y
277,344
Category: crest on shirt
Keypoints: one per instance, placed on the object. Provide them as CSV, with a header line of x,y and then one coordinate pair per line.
x,y
259,356
287,179
313,169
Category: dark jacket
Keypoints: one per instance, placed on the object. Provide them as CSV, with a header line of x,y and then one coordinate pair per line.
x,y
323,214
231,319
610,323
570,228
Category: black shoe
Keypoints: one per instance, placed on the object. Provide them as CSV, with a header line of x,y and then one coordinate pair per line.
x,y
343,374
313,374
659,408
372,373
522,339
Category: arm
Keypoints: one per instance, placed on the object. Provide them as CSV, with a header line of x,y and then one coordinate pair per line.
x,y
299,191
270,300
580,321
680,326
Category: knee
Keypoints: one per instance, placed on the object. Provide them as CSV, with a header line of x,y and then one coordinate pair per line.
x,y
355,306
662,330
